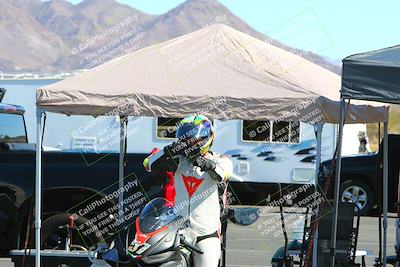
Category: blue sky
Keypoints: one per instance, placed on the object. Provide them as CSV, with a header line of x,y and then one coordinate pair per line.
x,y
330,28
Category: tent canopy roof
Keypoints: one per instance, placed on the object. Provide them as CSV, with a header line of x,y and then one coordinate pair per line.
x,y
373,76
216,71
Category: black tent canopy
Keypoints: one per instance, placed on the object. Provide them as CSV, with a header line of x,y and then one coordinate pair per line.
x,y
373,76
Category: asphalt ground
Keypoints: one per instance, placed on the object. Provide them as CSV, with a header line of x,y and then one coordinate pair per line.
x,y
254,245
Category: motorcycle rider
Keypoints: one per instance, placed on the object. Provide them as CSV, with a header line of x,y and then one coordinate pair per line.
x,y
168,188
197,174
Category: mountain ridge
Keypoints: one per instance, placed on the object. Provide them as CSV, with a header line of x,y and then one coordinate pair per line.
x,y
55,31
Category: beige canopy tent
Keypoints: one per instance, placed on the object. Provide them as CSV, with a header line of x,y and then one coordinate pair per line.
x,y
182,76
216,71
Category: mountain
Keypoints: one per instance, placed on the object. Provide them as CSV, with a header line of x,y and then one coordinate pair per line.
x,y
59,36
193,15
26,44
75,23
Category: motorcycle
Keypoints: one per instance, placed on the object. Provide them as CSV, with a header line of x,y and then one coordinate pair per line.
x,y
162,239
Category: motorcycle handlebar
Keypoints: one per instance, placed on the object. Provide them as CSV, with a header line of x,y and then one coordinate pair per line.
x,y
191,247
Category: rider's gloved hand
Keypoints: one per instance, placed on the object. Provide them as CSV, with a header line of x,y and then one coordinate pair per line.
x,y
174,149
204,164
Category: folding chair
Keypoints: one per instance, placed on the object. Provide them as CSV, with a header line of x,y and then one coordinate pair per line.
x,y
346,238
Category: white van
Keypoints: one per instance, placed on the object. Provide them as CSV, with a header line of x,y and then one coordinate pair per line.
x,y
262,151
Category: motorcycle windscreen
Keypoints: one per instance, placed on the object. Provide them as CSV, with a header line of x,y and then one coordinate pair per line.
x,y
156,214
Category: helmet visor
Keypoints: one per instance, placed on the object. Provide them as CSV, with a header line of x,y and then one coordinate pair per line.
x,y
190,131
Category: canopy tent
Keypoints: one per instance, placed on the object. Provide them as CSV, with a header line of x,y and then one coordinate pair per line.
x,y
373,76
182,76
216,71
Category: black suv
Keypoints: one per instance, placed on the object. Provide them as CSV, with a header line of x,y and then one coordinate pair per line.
x,y
362,178
73,183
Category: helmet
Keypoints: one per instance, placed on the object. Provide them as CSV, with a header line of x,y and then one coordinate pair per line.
x,y
197,133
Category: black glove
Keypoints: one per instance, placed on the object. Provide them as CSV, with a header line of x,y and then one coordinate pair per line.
x,y
204,164
174,149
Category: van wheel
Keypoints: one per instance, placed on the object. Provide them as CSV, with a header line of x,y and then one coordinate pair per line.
x,y
358,192
54,233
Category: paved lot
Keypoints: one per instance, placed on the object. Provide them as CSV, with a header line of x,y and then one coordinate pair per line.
x,y
248,246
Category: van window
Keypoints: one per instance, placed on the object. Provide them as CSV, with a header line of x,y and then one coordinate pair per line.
x,y
166,127
266,131
258,131
280,132
294,132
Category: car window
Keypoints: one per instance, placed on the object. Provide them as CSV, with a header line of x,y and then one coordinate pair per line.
x,y
12,128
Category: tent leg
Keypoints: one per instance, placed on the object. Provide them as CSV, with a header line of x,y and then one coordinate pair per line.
x,y
337,182
397,246
380,205
121,175
38,184
385,188
318,130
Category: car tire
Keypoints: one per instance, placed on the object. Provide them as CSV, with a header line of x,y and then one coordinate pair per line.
x,y
52,225
359,192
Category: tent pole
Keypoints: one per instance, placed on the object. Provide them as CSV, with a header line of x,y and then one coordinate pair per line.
x,y
122,143
380,205
385,187
318,129
38,184
397,246
337,182
122,124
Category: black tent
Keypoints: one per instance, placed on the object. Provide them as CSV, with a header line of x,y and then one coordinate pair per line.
x,y
373,76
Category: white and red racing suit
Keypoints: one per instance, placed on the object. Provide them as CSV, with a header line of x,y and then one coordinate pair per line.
x,y
197,198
